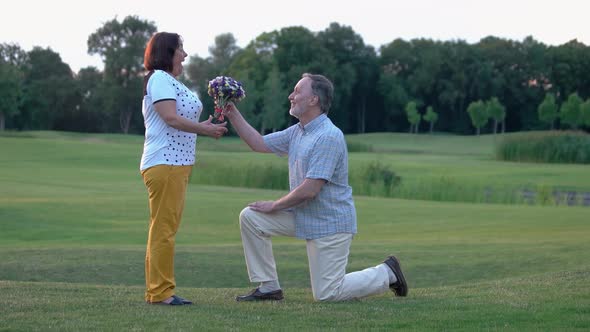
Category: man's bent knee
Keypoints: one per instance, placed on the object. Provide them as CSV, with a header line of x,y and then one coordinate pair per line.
x,y
246,214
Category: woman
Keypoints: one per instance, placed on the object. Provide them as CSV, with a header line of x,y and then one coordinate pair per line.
x,y
171,112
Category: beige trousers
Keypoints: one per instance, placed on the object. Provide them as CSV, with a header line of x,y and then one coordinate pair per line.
x,y
327,256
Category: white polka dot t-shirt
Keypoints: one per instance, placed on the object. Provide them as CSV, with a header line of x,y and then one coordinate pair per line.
x,y
165,145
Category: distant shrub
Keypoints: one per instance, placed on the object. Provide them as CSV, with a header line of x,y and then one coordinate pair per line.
x,y
358,147
547,147
375,179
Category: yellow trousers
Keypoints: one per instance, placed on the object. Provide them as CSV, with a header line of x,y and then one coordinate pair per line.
x,y
166,186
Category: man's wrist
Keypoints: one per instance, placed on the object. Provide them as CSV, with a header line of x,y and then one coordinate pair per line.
x,y
273,206
231,115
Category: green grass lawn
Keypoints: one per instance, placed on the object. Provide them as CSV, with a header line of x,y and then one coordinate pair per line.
x,y
73,223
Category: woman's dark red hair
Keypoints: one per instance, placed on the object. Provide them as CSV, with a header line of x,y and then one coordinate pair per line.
x,y
159,54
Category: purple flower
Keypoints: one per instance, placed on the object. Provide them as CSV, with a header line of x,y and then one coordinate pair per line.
x,y
224,89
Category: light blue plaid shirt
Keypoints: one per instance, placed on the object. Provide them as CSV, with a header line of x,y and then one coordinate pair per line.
x,y
318,151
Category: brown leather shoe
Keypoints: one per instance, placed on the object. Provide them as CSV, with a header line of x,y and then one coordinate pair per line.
x,y
400,287
257,295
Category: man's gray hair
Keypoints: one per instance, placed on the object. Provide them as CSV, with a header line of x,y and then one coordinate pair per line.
x,y
323,88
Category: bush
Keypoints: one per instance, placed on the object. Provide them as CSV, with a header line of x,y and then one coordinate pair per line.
x,y
358,147
374,179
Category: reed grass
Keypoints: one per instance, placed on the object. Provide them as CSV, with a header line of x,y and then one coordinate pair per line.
x,y
545,147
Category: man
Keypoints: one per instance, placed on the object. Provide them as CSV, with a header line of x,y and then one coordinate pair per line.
x,y
319,207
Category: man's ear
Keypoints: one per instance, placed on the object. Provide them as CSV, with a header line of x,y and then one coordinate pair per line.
x,y
314,100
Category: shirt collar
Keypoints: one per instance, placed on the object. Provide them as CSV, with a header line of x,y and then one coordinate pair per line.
x,y
311,126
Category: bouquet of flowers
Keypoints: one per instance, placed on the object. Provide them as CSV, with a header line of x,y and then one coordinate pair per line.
x,y
224,89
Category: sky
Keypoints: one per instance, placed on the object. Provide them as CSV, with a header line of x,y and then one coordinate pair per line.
x,y
64,25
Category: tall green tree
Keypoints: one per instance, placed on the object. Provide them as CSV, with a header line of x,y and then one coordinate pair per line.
x,y
274,115
257,59
413,116
121,46
478,113
366,103
537,70
395,98
459,61
250,106
494,55
354,75
298,51
517,73
585,113
431,116
547,110
256,63
198,73
570,70
428,63
13,54
496,111
570,111
223,52
397,62
88,115
49,90
10,92
12,62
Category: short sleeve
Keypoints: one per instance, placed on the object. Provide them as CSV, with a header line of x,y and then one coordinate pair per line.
x,y
278,142
325,156
160,87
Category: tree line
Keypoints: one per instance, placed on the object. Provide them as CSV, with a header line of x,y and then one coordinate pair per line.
x,y
414,85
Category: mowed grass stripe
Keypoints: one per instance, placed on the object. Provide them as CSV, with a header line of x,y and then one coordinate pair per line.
x,y
509,304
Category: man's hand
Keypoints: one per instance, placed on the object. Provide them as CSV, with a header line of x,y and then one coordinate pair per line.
x,y
262,206
229,110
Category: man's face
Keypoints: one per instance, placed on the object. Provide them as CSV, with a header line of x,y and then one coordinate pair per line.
x,y
301,97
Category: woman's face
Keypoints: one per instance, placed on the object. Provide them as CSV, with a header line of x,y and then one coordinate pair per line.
x,y
179,56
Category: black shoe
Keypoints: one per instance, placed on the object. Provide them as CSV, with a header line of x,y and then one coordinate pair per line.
x,y
400,287
257,295
175,301
184,301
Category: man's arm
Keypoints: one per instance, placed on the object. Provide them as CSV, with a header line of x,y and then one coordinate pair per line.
x,y
306,191
167,111
247,133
